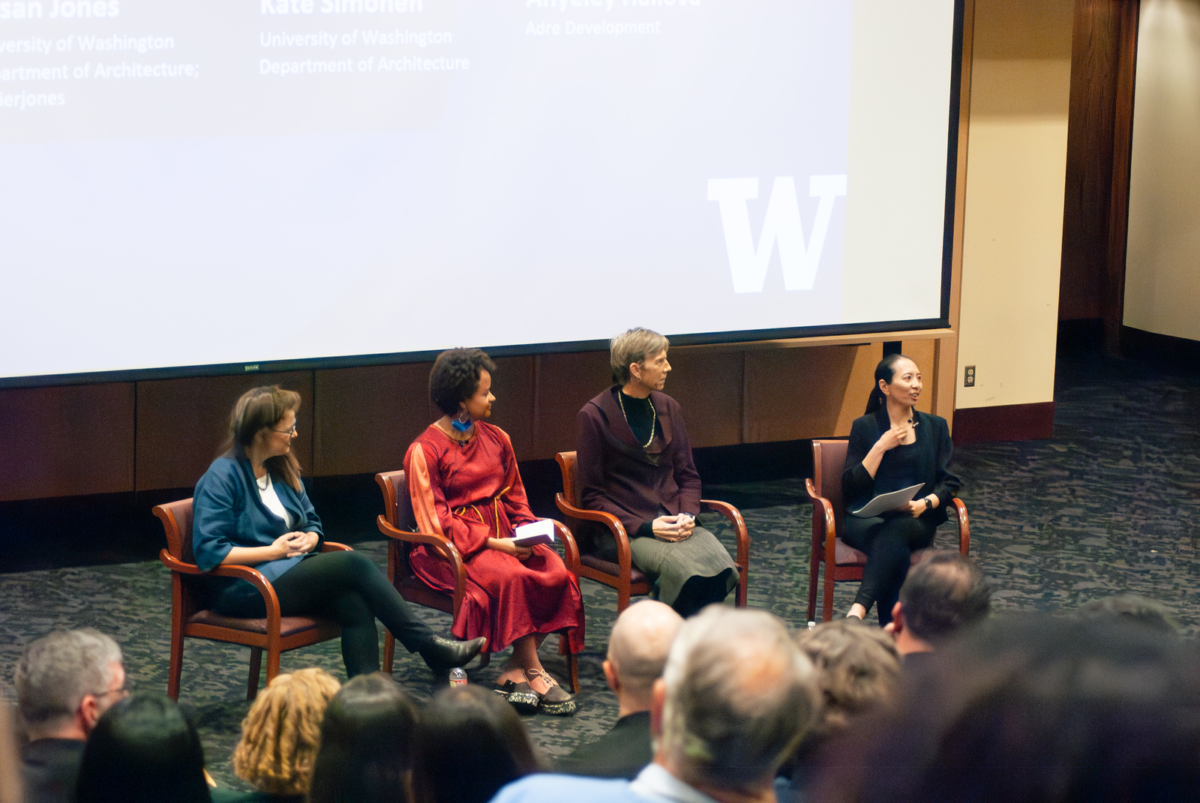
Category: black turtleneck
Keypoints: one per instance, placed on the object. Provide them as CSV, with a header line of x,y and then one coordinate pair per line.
x,y
640,415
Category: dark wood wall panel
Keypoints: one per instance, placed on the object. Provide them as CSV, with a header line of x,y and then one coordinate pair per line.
x,y
1099,136
564,384
708,384
797,393
366,417
162,434
66,441
514,410
181,424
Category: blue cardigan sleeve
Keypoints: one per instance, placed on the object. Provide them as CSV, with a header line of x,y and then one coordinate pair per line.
x,y
219,502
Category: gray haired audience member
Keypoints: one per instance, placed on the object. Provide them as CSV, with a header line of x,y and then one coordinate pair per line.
x,y
1033,709
944,593
65,682
735,699
637,652
1130,608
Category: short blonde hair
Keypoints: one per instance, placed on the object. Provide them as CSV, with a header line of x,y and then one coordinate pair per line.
x,y
281,732
633,346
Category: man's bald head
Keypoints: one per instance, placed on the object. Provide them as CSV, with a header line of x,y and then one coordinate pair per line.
x,y
638,648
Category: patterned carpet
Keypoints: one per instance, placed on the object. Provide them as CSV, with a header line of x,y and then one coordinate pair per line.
x,y
1108,505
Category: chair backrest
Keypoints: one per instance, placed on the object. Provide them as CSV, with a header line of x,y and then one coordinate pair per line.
x,y
397,504
829,461
570,477
176,518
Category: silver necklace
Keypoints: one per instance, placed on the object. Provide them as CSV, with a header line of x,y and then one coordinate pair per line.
x,y
653,418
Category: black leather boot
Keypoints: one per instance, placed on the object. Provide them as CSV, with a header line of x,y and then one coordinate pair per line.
x,y
442,653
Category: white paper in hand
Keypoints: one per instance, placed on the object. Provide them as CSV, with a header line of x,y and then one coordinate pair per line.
x,y
887,502
538,532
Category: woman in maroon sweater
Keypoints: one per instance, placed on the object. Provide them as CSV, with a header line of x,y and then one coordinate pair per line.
x,y
635,462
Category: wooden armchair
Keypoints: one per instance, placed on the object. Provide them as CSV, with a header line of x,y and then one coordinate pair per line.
x,y
841,561
623,576
399,524
275,633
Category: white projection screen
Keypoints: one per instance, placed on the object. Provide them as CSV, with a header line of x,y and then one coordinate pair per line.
x,y
205,184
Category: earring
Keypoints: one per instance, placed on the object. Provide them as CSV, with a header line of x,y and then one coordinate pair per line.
x,y
463,422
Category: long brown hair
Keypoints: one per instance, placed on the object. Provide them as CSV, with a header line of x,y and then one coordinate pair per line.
x,y
259,409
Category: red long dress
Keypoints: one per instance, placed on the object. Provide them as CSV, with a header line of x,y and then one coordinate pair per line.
x,y
471,492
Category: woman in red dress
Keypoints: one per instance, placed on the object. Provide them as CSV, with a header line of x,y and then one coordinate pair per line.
x,y
463,480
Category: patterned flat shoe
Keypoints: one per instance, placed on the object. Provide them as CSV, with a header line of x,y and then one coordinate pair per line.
x,y
520,696
556,702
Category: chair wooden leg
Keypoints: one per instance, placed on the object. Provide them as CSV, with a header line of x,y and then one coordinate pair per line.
x,y
255,669
273,656
389,651
827,610
573,671
743,581
814,567
176,665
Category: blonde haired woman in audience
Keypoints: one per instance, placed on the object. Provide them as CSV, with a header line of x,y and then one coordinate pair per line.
x,y
280,736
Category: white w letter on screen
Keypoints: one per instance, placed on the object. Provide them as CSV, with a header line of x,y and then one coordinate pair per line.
x,y
748,263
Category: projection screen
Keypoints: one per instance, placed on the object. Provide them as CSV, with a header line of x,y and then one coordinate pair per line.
x,y
233,182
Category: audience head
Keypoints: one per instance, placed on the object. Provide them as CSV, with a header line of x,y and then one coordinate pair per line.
x,y
637,651
632,347
366,744
1133,609
143,750
1031,709
65,681
885,371
944,593
470,743
858,671
455,378
735,699
257,418
281,732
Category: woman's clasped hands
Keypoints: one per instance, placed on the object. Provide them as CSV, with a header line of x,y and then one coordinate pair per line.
x,y
290,545
674,528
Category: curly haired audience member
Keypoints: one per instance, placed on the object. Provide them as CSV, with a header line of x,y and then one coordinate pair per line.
x,y
858,671
280,735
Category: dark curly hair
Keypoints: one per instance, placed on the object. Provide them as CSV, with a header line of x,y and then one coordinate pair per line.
x,y
455,377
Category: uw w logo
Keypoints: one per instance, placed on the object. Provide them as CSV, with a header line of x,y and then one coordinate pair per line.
x,y
749,263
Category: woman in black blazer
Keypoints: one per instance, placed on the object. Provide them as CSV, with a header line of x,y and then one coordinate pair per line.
x,y
892,447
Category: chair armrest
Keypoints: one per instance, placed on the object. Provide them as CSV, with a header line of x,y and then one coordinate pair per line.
x,y
964,525
739,526
824,521
441,546
334,546
248,573
624,557
570,548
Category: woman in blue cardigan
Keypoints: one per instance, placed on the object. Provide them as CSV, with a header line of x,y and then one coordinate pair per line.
x,y
892,447
251,509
